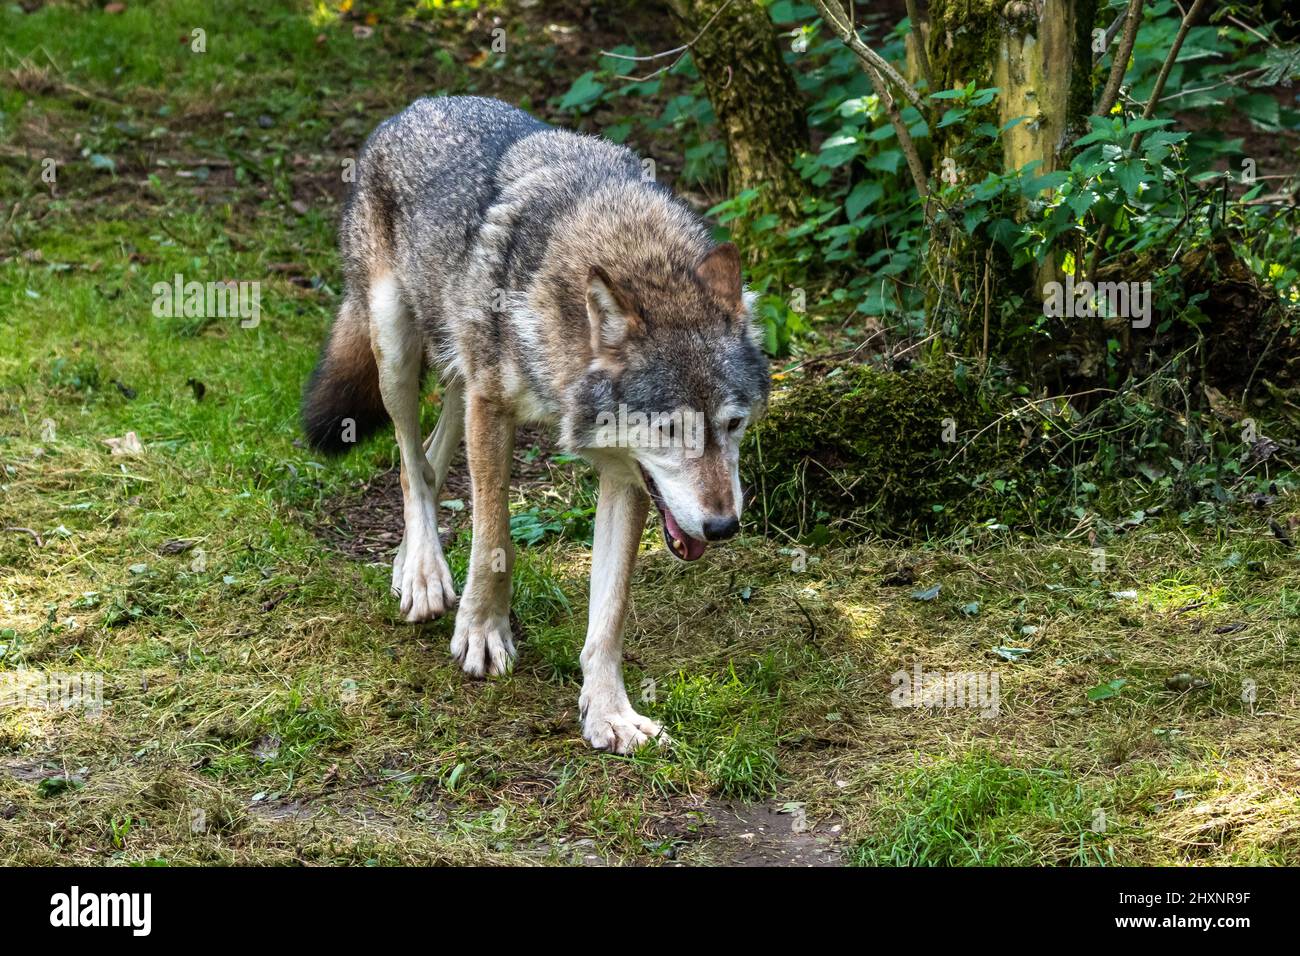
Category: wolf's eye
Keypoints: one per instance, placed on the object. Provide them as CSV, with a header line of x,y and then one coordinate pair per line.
x,y
734,424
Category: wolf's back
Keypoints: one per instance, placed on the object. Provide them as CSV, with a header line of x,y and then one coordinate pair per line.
x,y
425,178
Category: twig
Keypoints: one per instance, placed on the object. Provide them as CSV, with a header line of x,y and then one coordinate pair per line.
x,y
1110,35
988,265
812,625
39,542
1008,416
872,64
846,32
1249,29
1163,78
681,51
1133,19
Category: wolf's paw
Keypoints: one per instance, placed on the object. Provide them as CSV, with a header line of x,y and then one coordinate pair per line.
x,y
482,645
422,581
619,730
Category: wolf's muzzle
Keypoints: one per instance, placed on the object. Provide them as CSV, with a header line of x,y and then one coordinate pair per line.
x,y
719,529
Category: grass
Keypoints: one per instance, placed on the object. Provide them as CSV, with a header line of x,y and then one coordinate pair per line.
x,y
264,704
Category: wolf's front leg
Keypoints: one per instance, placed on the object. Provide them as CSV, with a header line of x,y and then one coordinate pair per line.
x,y
421,577
482,643
608,720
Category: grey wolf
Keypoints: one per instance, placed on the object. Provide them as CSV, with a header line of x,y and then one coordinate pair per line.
x,y
541,277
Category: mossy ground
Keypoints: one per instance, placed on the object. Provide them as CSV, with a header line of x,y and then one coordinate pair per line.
x,y
858,450
265,704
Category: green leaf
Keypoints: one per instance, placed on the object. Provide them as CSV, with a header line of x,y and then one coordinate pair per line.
x,y
865,194
953,116
1142,125
1036,184
1106,690
584,92
1081,201
1262,110
886,161
1131,174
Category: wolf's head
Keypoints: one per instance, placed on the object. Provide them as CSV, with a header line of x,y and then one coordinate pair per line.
x,y
675,377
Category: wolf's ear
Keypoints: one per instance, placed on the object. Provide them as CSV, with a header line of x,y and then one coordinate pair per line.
x,y
719,272
609,311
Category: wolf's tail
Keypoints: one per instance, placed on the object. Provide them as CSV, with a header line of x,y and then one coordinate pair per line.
x,y
342,404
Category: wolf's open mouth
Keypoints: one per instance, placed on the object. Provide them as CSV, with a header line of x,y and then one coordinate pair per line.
x,y
681,544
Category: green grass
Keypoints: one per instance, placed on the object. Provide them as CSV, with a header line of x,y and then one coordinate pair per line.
x,y
977,811
263,702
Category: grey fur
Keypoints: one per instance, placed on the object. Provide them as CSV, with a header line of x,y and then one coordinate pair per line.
x,y
491,221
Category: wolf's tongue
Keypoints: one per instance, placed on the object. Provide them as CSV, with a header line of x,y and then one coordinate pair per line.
x,y
686,547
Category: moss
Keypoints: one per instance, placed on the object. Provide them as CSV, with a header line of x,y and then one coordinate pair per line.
x,y
858,450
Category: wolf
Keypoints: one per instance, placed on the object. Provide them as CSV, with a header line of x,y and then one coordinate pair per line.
x,y
542,278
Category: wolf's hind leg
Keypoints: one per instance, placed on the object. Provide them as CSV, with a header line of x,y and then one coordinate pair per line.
x,y
482,643
440,447
421,577
608,720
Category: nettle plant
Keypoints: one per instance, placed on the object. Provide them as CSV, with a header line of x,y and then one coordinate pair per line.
x,y
861,229
863,246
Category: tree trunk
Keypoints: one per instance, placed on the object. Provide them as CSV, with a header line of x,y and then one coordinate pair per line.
x,y
1039,54
753,95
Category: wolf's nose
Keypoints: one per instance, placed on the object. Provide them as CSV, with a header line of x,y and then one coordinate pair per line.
x,y
719,529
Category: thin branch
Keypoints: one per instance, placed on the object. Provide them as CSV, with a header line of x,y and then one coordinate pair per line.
x,y
1133,19
1110,35
1152,102
681,51
1163,78
844,29
37,537
905,143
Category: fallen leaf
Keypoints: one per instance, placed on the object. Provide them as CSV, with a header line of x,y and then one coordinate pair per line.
x,y
1108,689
